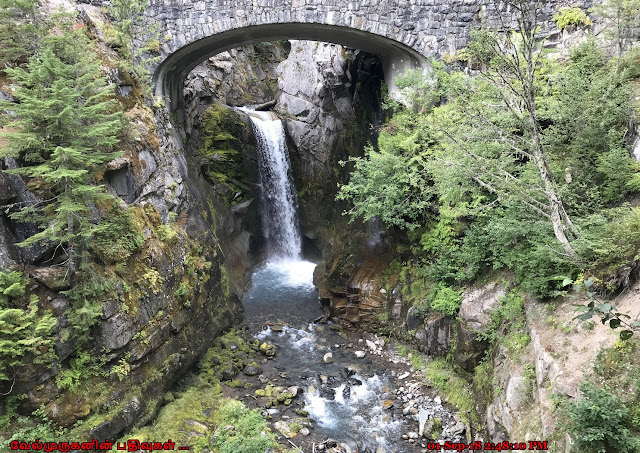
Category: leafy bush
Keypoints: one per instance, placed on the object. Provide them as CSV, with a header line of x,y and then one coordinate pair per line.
x,y
571,16
609,242
12,286
600,422
251,433
24,328
80,368
447,300
117,236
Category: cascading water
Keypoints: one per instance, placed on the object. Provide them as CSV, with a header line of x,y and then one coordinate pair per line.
x,y
278,199
346,405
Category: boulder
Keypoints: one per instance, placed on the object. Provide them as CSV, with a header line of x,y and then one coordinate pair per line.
x,y
435,337
474,317
477,305
252,368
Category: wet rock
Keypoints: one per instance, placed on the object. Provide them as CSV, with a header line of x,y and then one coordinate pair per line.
x,y
327,392
435,337
305,431
284,429
346,393
294,390
117,331
457,429
360,354
414,319
229,372
68,410
252,369
229,344
51,277
387,404
268,349
327,358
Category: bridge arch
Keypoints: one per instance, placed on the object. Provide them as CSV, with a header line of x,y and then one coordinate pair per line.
x,y
170,75
402,33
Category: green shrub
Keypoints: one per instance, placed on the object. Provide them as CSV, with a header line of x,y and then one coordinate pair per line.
x,y
251,434
81,368
117,236
571,16
447,300
12,286
24,328
600,422
609,241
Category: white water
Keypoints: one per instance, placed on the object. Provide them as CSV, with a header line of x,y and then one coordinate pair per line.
x,y
283,290
278,199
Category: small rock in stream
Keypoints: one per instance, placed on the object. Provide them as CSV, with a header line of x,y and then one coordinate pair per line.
x,y
294,389
360,354
328,358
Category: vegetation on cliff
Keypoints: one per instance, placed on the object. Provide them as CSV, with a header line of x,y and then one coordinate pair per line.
x,y
474,195
515,160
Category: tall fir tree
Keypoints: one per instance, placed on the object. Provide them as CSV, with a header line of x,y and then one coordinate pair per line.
x,y
63,128
20,30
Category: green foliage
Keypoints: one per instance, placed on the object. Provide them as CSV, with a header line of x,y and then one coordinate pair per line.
x,y
220,130
508,317
600,422
117,236
63,128
603,310
609,242
392,187
444,377
13,285
123,368
571,16
251,433
81,367
25,330
447,300
37,427
622,17
87,297
133,36
482,205
20,30
442,299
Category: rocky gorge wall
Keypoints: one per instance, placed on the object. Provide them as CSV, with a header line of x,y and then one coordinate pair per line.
x,y
179,285
190,196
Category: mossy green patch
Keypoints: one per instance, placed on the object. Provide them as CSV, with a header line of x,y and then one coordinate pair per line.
x,y
220,131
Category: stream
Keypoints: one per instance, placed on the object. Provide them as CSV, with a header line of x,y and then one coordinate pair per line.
x,y
358,393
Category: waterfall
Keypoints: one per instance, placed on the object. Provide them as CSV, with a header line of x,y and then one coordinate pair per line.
x,y
278,199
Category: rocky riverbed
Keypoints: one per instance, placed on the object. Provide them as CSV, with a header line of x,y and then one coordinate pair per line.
x,y
327,389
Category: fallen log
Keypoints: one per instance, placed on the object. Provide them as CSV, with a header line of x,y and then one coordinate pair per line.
x,y
266,106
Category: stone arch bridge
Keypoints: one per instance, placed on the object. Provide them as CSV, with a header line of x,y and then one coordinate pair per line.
x,y
402,33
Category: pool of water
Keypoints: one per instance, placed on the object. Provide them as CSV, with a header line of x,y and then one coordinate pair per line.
x,y
344,398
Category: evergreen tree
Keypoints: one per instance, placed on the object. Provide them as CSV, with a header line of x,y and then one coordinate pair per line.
x,y
20,30
623,17
62,129
128,15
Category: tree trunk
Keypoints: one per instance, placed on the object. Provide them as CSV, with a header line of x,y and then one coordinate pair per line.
x,y
562,225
